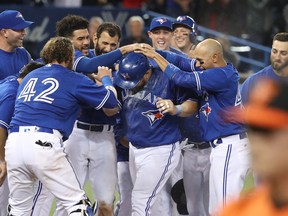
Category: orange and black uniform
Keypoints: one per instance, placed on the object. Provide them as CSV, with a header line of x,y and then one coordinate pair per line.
x,y
258,203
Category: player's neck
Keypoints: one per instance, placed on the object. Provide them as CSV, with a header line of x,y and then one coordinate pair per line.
x,y
6,47
279,191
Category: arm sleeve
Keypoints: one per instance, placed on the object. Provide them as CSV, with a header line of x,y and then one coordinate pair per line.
x,y
96,96
214,79
184,63
6,111
90,65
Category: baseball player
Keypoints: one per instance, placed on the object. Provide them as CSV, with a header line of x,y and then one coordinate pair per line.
x,y
91,146
278,68
151,126
13,57
161,34
267,119
185,32
217,84
48,102
75,28
12,53
196,152
9,87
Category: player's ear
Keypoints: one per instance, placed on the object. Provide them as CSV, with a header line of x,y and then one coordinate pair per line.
x,y
95,39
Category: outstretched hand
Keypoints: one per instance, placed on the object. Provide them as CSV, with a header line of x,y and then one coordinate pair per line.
x,y
147,50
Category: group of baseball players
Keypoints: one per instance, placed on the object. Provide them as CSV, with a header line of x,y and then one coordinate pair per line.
x,y
144,121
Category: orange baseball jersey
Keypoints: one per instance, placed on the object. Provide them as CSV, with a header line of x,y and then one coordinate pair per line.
x,y
257,203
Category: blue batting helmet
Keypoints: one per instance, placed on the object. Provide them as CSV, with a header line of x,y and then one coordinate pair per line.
x,y
187,22
131,70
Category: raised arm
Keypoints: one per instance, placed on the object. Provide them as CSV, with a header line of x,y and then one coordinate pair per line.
x,y
90,65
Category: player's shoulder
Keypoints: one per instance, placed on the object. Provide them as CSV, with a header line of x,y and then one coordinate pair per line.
x,y
9,85
266,72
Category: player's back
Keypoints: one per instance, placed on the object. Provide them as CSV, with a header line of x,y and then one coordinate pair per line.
x,y
12,62
50,97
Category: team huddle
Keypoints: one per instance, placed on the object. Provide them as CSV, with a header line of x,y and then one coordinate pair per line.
x,y
146,121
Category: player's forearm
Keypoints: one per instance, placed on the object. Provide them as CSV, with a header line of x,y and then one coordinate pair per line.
x,y
160,60
90,65
186,109
184,63
181,78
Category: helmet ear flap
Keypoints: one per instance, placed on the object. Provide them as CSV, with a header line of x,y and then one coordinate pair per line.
x,y
192,37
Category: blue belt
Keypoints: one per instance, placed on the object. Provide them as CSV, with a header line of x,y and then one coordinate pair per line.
x,y
219,141
27,129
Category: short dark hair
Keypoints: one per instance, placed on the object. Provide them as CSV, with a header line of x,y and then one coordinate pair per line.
x,y
112,29
281,36
29,67
59,49
66,26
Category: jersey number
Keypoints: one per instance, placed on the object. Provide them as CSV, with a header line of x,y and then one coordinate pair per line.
x,y
29,90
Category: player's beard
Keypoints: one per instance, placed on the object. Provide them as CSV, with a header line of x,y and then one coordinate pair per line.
x,y
279,68
99,51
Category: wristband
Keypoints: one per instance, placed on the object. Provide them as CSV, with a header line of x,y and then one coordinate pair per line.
x,y
106,81
178,110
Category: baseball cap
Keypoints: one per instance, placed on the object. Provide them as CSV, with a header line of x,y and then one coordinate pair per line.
x,y
266,108
185,21
12,19
161,22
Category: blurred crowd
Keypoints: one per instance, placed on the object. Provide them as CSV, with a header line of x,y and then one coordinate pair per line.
x,y
255,20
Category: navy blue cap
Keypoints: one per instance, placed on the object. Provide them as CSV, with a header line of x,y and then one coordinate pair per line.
x,y
12,19
161,22
185,21
132,69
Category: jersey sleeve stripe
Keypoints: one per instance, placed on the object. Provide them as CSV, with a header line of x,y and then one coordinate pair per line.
x,y
76,63
2,123
192,63
198,83
103,101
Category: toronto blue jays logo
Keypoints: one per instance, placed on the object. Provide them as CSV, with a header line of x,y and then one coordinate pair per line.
x,y
153,116
19,15
206,110
125,75
161,20
181,18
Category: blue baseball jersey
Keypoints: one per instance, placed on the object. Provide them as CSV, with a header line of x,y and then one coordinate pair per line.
x,y
218,88
190,128
250,82
51,97
145,125
8,93
89,114
12,62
